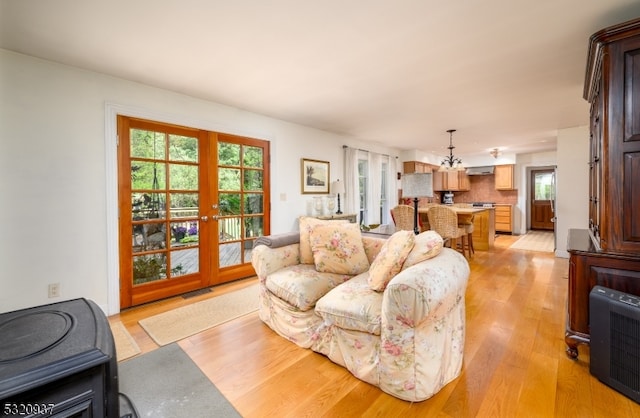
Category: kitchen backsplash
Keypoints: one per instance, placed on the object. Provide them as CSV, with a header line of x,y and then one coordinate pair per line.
x,y
483,190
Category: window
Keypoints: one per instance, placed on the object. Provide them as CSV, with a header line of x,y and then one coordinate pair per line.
x,y
363,172
363,185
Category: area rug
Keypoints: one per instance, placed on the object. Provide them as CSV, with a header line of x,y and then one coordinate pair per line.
x,y
166,383
535,241
188,320
126,346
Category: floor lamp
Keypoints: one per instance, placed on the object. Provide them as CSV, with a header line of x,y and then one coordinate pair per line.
x,y
338,187
417,185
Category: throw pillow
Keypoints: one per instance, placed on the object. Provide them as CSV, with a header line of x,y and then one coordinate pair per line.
x,y
428,244
389,260
337,248
306,224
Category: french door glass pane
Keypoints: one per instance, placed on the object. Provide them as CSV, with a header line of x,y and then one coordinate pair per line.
x,y
183,177
229,179
253,180
253,157
183,148
253,227
184,205
228,154
149,268
229,203
230,229
147,144
147,175
230,254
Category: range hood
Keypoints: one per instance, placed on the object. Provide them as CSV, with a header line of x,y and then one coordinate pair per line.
x,y
480,171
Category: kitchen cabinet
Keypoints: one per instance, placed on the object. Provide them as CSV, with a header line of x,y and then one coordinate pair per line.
x,y
503,175
417,167
504,218
454,181
484,229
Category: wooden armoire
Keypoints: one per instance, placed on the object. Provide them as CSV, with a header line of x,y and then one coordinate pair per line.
x,y
608,252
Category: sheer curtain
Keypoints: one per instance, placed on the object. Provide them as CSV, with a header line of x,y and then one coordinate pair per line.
x,y
374,189
392,191
351,189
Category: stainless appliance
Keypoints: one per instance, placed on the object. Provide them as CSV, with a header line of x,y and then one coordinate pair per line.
x,y
483,204
447,198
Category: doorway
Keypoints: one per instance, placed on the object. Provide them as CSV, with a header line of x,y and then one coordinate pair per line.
x,y
542,200
191,202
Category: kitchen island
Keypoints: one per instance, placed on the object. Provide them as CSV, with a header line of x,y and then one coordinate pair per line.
x,y
484,223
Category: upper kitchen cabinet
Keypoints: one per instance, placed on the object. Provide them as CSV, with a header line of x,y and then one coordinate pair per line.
x,y
504,177
453,181
417,167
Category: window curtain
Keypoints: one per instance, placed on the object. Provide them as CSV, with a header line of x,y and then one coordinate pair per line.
x,y
374,189
351,189
392,190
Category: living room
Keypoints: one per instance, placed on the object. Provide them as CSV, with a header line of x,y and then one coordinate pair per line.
x,y
60,173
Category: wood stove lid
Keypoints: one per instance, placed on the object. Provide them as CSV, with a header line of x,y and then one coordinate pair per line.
x,y
32,333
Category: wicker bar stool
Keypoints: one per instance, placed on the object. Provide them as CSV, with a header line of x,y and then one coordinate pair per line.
x,y
402,216
444,221
466,222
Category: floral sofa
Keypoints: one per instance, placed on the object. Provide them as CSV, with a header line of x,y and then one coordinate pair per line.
x,y
391,311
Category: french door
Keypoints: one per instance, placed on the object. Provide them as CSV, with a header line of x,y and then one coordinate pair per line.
x,y
191,202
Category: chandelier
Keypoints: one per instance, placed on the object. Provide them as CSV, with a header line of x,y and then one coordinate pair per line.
x,y
451,162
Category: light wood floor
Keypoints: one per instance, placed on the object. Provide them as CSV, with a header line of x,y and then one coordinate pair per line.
x,y
515,362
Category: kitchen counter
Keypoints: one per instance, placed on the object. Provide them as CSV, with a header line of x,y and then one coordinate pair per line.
x,y
484,224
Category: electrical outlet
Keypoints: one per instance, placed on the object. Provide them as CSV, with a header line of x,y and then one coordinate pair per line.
x,y
54,290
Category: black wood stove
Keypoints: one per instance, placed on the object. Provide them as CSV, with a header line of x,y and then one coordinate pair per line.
x,y
58,360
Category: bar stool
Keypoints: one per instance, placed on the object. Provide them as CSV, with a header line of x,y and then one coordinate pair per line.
x,y
402,216
466,222
444,221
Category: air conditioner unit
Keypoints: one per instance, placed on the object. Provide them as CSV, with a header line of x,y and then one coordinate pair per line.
x,y
614,319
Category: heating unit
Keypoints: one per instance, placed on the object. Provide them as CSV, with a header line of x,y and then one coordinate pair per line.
x,y
615,340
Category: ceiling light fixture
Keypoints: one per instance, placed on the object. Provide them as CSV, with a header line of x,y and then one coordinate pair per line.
x,y
495,153
451,162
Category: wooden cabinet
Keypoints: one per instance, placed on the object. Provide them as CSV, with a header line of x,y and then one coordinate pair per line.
x,y
484,229
454,181
416,167
613,74
589,267
503,175
608,253
504,218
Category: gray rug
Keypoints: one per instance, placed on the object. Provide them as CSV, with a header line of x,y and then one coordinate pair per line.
x,y
166,383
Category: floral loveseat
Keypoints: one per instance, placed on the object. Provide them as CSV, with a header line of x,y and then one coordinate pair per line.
x,y
391,311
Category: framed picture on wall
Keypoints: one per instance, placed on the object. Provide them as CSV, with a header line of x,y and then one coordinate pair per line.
x,y
314,176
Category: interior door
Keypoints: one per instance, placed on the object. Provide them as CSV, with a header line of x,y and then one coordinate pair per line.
x,y
542,199
178,231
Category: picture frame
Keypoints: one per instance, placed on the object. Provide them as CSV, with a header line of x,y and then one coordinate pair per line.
x,y
314,176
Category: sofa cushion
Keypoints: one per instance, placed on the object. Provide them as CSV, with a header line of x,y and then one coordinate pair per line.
x,y
301,285
306,224
353,305
389,260
427,245
338,248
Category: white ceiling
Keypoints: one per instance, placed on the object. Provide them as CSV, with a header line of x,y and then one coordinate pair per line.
x,y
504,73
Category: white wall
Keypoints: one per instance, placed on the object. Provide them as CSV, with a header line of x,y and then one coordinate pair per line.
x,y
572,184
54,168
